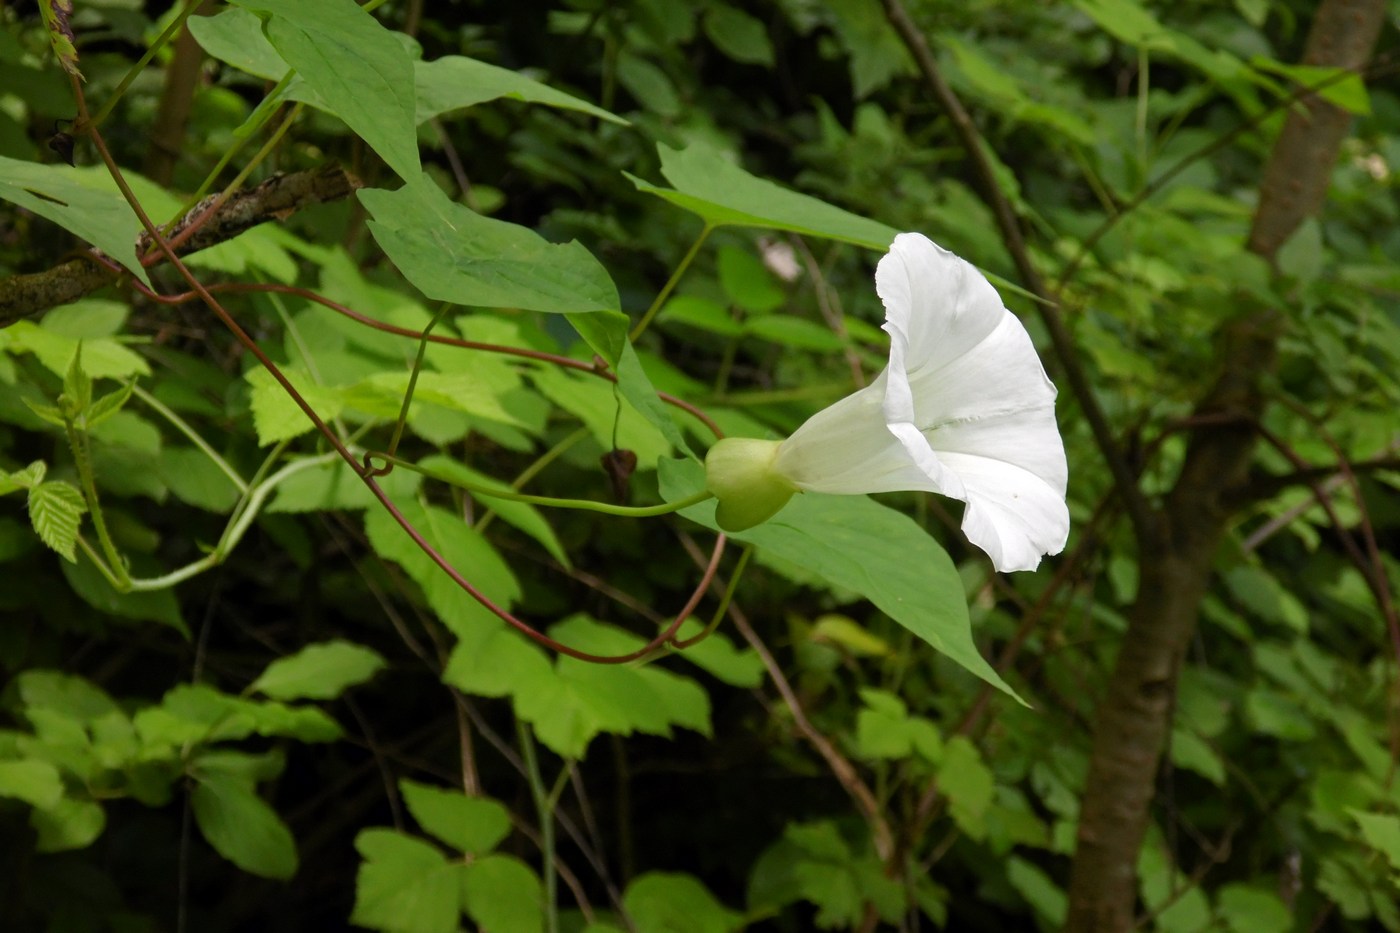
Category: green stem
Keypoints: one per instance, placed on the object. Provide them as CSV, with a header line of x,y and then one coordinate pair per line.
x,y
587,505
413,379
534,469
238,526
82,458
256,120
101,564
161,41
723,608
194,436
670,285
545,808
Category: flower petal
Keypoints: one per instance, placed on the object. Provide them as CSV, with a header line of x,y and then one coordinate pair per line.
x,y
1012,467
846,449
963,409
939,304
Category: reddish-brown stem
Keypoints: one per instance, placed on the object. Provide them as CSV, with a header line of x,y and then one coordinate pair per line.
x,y
203,292
567,362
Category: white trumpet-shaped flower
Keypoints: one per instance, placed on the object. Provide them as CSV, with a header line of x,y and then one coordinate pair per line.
x,y
963,409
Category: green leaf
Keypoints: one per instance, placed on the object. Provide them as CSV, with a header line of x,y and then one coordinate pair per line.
x,y
1049,899
454,82
651,87
103,357
1382,832
357,69
597,405
464,548
242,827
37,783
336,486
77,384
521,515
67,694
236,36
68,824
55,510
155,605
676,903
318,672
108,405
1338,86
572,704
606,333
57,15
738,35
1193,753
194,478
503,895
855,543
277,416
451,253
473,825
27,478
813,862
877,54
718,657
1248,909
80,202
405,885
798,333
723,194
970,787
747,281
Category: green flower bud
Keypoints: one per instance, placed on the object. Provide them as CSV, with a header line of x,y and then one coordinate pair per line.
x,y
739,472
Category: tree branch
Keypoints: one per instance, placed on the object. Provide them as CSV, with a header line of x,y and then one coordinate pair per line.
x,y
23,296
1135,714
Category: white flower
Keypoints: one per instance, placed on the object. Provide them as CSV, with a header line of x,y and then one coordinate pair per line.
x,y
964,409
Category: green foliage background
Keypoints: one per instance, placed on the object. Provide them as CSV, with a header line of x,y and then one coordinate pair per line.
x,y
293,719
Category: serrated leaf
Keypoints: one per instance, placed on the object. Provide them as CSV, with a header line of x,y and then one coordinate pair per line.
x,y
676,903
451,253
503,895
473,825
74,200
277,416
47,413
575,702
77,384
68,824
357,69
108,405
37,783
855,543
242,827
318,672
56,510
405,885
723,194
27,478
521,515
103,357
454,82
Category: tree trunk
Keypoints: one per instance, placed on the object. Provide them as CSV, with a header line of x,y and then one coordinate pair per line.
x,y
1178,550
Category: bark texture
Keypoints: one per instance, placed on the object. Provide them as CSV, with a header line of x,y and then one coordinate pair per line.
x,y
1178,549
24,296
